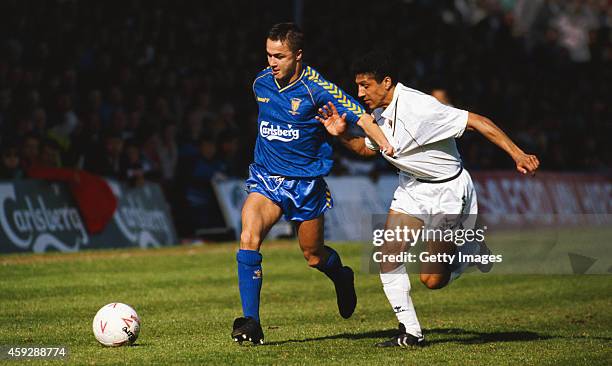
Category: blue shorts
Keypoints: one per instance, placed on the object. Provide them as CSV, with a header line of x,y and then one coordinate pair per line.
x,y
301,199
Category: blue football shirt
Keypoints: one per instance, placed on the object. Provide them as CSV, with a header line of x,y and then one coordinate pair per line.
x,y
291,142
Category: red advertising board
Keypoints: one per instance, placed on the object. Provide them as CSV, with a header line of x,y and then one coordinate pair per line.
x,y
545,199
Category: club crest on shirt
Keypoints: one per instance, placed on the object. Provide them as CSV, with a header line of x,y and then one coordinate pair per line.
x,y
295,104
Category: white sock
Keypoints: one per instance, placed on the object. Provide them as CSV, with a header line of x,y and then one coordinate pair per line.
x,y
471,248
396,285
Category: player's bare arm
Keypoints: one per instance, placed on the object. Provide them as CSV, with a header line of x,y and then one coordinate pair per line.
x,y
336,126
371,128
525,163
357,145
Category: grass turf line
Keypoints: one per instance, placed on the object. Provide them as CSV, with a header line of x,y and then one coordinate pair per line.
x,y
187,298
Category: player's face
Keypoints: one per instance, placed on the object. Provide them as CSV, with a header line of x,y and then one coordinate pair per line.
x,y
282,60
373,93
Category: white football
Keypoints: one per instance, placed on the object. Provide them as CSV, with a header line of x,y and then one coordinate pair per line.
x,y
116,324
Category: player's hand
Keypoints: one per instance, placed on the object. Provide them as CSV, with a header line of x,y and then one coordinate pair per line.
x,y
526,164
331,119
387,150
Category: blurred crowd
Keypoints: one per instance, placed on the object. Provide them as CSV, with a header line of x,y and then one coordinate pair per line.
x,y
161,90
541,69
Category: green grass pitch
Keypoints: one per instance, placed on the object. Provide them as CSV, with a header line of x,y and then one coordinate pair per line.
x,y
187,298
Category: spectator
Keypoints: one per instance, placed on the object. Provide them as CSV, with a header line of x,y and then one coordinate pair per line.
x,y
105,160
112,105
39,119
191,136
50,154
133,128
229,153
10,168
85,139
201,201
68,121
151,160
167,151
132,169
30,151
541,66
494,55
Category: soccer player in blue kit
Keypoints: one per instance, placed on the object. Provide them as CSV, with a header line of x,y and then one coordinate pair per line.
x,y
292,155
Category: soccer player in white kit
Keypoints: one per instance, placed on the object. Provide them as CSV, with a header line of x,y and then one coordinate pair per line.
x,y
433,188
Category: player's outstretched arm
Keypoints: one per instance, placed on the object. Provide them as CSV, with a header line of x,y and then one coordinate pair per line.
x,y
336,126
357,145
333,123
525,163
372,129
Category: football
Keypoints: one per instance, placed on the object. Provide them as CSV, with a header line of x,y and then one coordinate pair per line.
x,y
116,324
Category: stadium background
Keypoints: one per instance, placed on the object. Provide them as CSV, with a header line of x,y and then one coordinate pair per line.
x,y
158,94
161,91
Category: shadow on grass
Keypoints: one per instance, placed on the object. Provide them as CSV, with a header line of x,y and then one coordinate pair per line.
x,y
354,336
445,335
462,336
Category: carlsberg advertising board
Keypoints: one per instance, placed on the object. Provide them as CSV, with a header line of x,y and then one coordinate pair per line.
x,y
40,216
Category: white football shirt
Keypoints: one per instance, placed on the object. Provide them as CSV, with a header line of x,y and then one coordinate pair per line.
x,y
423,132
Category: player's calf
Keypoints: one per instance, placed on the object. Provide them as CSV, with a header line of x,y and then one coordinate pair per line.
x,y
436,274
435,281
314,257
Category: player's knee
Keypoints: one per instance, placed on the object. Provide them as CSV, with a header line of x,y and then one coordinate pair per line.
x,y
434,281
313,257
249,240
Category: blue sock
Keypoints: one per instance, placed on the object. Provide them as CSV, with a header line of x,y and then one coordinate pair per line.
x,y
250,278
333,266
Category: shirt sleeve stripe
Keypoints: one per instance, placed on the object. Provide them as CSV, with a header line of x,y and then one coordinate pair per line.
x,y
335,92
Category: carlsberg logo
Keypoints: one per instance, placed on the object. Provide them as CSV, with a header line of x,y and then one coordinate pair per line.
x,y
277,133
31,224
136,216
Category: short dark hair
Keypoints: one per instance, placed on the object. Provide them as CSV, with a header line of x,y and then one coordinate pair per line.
x,y
377,63
288,33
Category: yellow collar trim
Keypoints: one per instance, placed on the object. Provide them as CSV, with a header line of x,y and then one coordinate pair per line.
x,y
292,83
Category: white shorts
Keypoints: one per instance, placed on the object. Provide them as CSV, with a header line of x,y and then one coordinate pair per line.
x,y
450,204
